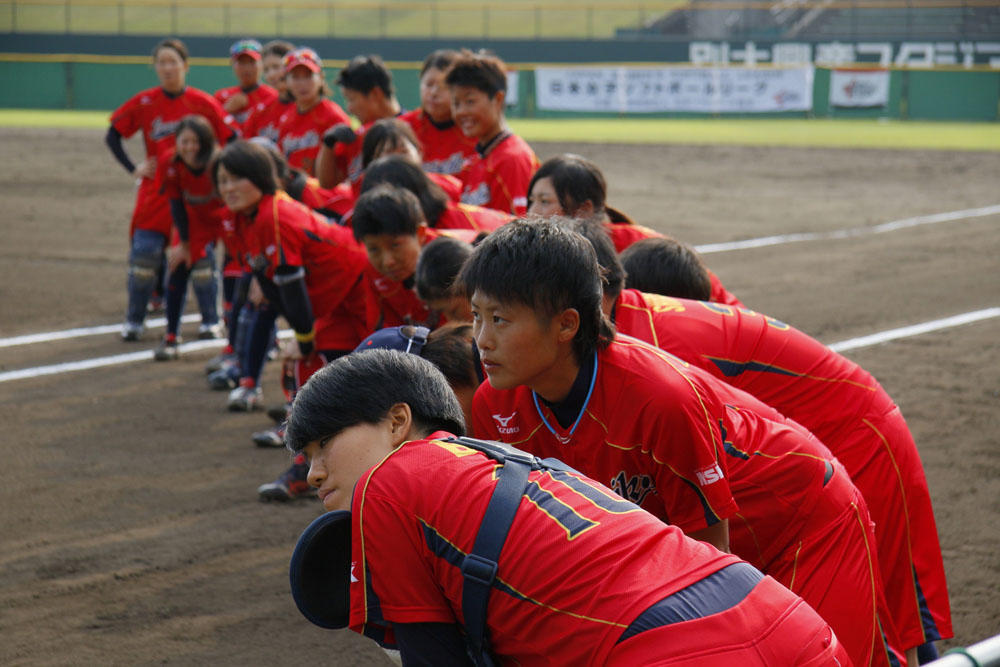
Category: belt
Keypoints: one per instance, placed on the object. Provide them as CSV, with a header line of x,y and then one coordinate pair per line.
x,y
715,593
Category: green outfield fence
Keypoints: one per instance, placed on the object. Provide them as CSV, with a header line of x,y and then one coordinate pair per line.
x,y
104,82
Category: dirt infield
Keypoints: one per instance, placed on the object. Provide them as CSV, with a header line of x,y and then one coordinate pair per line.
x,y
131,531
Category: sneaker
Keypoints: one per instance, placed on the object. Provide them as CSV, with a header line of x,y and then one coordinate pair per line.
x,y
210,331
167,350
244,399
155,305
291,485
227,377
218,361
131,332
279,413
272,437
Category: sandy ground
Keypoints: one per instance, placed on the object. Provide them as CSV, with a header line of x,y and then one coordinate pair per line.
x,y
131,531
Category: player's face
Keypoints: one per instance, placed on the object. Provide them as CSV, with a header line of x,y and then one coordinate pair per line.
x,y
361,105
542,201
170,69
247,70
477,114
336,464
304,85
239,194
393,256
274,72
188,146
435,98
516,346
454,308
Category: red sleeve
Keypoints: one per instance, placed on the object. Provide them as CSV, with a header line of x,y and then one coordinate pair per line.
x,y
126,118
166,173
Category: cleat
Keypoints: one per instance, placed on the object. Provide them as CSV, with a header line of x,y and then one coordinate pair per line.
x,y
210,331
279,413
244,399
291,485
167,350
272,437
131,332
227,377
155,305
218,361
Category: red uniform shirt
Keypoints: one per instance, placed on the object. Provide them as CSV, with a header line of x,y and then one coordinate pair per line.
x,y
204,208
259,96
446,150
500,178
391,303
300,134
285,232
265,120
156,114
466,216
569,533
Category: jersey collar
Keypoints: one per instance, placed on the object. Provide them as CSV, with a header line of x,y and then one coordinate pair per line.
x,y
575,402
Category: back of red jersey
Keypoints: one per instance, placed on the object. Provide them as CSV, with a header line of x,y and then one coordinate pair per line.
x,y
476,218
157,113
446,150
409,538
783,367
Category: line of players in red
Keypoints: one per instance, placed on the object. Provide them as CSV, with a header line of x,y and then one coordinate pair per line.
x,y
346,228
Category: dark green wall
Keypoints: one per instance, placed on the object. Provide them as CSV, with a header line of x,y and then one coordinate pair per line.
x,y
913,94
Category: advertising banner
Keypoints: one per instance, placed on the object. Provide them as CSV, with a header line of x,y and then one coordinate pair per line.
x,y
859,88
677,89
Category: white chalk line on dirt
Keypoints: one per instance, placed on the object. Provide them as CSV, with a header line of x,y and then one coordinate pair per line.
x,y
893,225
851,232
145,355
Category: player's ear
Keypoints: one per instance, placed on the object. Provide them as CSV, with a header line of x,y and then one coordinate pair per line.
x,y
400,423
569,324
498,100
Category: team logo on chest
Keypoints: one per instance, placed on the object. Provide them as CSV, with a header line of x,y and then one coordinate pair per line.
x,y
291,144
634,488
503,424
162,129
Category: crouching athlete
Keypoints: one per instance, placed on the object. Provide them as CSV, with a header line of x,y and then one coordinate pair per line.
x,y
470,552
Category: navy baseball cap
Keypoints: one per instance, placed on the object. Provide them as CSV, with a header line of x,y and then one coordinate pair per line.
x,y
407,338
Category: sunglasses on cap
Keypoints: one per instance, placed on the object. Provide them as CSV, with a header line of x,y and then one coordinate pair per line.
x,y
306,57
245,46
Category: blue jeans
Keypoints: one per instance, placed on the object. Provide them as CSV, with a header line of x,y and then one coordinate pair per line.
x,y
144,261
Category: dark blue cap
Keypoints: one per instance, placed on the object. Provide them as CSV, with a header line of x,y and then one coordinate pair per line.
x,y
407,338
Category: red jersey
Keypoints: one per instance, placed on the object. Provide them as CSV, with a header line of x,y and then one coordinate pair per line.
x,y
391,303
569,532
648,431
783,367
195,188
264,120
300,134
285,232
500,178
451,185
446,150
258,96
347,157
476,218
156,113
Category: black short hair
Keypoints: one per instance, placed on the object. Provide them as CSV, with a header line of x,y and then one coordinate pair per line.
x,y
547,267
277,47
203,130
386,134
481,70
666,266
575,179
361,388
440,59
440,262
451,347
363,73
386,209
172,43
595,232
402,172
250,161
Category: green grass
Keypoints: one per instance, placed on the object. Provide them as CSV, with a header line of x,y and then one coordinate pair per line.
x,y
741,131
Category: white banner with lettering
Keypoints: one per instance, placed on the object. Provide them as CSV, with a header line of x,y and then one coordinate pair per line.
x,y
658,89
859,88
